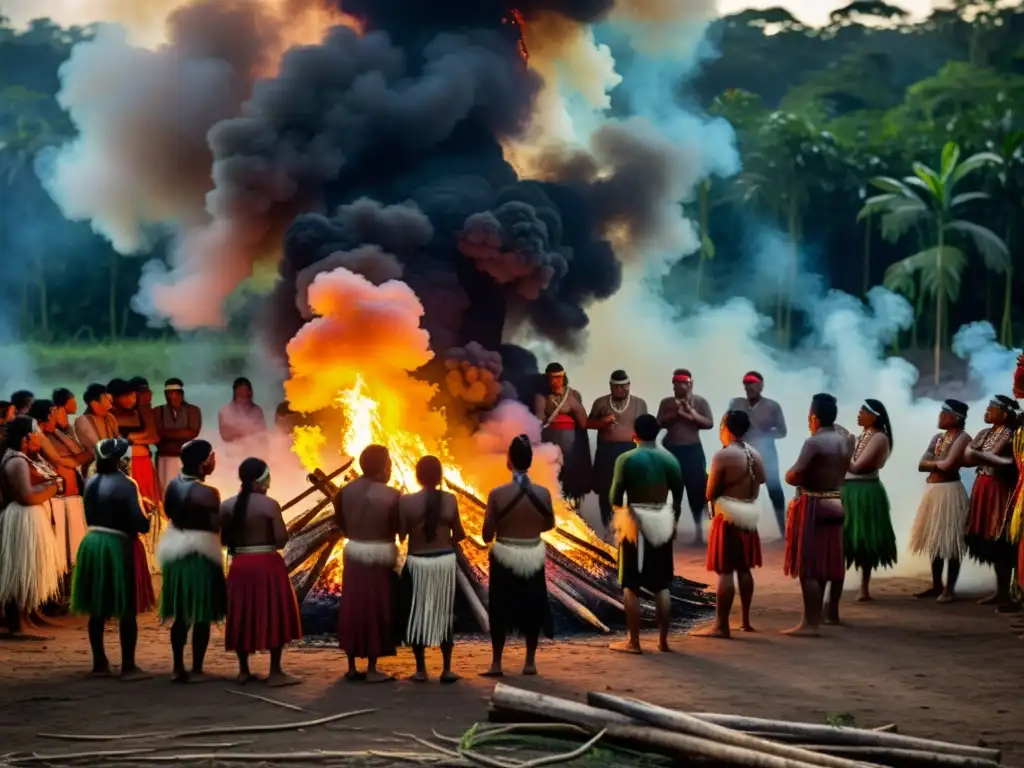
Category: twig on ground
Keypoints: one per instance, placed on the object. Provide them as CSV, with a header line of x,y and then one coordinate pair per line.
x,y
265,757
102,737
211,745
429,745
889,728
37,758
275,702
565,758
485,734
488,762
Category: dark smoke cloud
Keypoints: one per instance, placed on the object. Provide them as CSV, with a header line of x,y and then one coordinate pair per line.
x,y
474,376
370,261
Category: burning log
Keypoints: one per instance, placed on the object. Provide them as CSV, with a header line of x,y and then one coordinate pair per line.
x,y
313,487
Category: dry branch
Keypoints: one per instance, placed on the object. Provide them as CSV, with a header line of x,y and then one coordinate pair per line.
x,y
275,702
68,756
303,583
312,489
575,607
465,585
304,544
903,757
220,729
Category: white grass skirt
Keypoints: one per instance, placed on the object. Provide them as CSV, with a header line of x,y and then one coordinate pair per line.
x,y
432,611
31,564
69,527
938,530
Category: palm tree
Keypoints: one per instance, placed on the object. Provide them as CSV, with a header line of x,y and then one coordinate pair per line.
x,y
929,200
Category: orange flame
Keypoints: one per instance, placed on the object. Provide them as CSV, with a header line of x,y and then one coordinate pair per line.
x,y
515,17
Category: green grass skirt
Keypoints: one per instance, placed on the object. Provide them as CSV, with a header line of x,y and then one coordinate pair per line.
x,y
193,590
100,585
868,538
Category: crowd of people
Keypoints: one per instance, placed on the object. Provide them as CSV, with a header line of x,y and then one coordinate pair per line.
x,y
87,518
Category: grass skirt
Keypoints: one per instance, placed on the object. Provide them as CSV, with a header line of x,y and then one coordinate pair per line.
x,y
731,548
193,590
518,603
814,539
31,564
428,598
69,526
103,583
263,612
366,612
868,538
986,514
938,530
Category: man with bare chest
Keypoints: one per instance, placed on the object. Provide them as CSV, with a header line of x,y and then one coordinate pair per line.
x,y
767,424
366,513
429,520
814,531
517,514
734,546
683,416
263,613
938,530
614,417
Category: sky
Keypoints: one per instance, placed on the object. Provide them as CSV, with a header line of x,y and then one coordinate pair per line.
x,y
813,12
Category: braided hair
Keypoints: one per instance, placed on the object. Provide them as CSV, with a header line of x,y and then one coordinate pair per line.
x,y
250,472
881,418
428,475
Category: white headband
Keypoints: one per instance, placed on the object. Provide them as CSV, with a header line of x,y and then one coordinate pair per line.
x,y
870,410
173,388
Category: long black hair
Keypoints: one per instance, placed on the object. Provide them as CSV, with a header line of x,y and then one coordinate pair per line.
x,y
250,472
881,418
15,432
428,475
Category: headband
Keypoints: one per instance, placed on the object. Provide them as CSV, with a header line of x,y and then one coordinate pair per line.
x,y
681,378
950,409
870,410
748,379
619,382
174,388
265,476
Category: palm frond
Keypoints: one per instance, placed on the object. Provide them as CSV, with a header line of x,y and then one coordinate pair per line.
x,y
900,217
991,246
950,157
891,185
967,197
925,264
972,164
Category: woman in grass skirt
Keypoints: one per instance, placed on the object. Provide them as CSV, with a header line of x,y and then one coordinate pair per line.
x,y
30,561
868,539
111,579
262,611
194,593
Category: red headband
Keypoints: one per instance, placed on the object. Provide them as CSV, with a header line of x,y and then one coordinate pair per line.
x,y
681,377
748,379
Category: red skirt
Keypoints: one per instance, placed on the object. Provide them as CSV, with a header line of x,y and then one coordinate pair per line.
x,y
814,539
145,599
263,613
731,548
366,610
144,475
989,498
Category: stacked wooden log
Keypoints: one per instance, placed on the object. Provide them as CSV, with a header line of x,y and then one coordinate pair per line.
x,y
733,740
584,596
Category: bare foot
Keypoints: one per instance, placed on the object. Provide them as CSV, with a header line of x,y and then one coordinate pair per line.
x,y
200,677
864,597
747,628
379,677
244,678
663,647
449,677
833,621
281,680
928,593
995,599
802,630
133,675
946,597
712,630
530,670
419,677
101,671
493,672
179,678
354,676
625,647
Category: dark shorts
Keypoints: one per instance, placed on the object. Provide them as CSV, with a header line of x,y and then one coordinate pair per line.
x,y
659,567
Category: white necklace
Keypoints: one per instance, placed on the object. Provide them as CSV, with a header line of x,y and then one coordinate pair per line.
x,y
625,403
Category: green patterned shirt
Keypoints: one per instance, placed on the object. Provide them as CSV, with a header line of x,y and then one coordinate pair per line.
x,y
647,475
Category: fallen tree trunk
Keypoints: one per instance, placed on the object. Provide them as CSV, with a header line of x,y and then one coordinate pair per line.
x,y
854,737
679,722
310,577
313,489
904,758
576,607
305,545
466,586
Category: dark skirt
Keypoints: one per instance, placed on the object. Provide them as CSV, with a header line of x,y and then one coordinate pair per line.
x,y
731,548
366,611
814,539
145,598
984,533
576,471
516,604
263,613
604,464
659,566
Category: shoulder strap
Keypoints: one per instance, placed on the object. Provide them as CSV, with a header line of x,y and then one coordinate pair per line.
x,y
528,492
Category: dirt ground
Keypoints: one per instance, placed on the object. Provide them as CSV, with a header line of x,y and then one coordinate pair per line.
x,y
938,671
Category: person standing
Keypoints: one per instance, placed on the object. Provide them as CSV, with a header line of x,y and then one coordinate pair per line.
x,y
991,452
518,512
814,530
366,513
1015,508
614,417
734,546
262,610
110,580
97,423
177,422
429,520
767,425
938,530
241,418
868,539
22,400
31,565
564,423
134,429
194,594
683,416
646,528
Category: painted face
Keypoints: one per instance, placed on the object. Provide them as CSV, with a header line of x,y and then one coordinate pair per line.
x,y
175,398
753,388
619,391
865,418
556,381
682,389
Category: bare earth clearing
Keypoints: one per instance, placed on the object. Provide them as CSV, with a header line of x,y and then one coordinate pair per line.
x,y
947,672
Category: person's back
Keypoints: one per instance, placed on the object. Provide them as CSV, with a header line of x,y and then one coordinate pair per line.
x,y
112,502
733,465
262,525
366,510
192,505
520,514
422,537
828,465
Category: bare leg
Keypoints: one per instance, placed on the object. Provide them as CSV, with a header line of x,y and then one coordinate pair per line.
x,y
447,676
864,593
497,650
372,675
632,605
952,575
936,588
418,653
179,638
808,627
244,675
835,595
724,596
663,606
278,678
353,673
746,582
532,638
